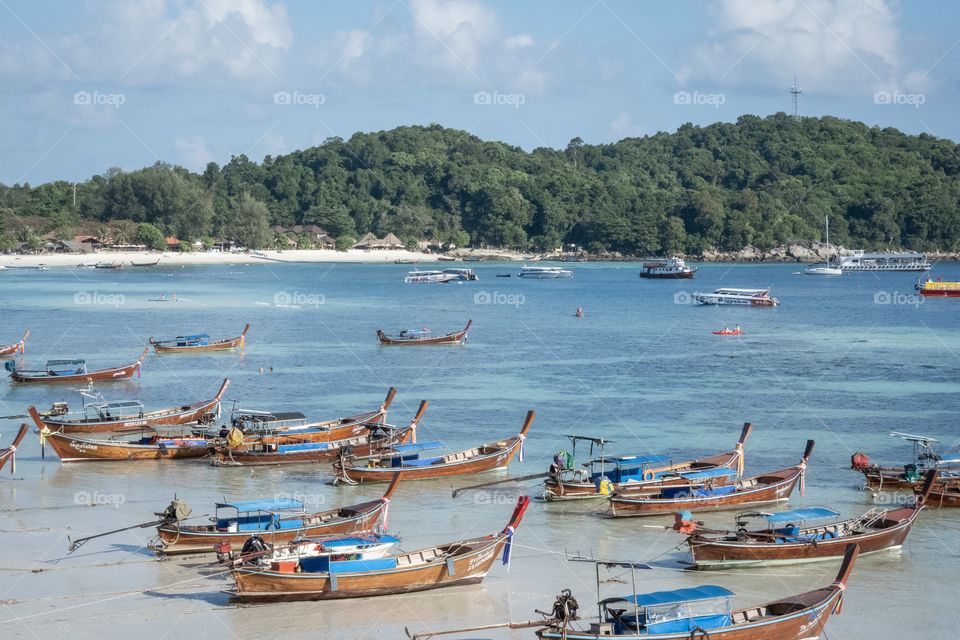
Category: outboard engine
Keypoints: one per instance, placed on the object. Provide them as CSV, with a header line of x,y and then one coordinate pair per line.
x,y
177,510
565,607
10,366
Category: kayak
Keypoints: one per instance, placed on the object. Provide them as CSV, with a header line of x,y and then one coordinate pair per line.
x,y
728,332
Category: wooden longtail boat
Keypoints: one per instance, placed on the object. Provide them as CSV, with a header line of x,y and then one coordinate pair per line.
x,y
155,447
199,342
276,521
633,473
10,453
702,613
272,451
909,476
457,563
405,458
261,427
73,371
11,349
423,337
378,437
787,540
116,417
772,487
944,494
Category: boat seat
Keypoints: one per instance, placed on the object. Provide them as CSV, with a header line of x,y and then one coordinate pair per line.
x,y
425,462
754,614
738,617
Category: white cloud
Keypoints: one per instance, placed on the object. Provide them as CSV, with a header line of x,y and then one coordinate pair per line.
x,y
160,42
622,127
194,152
835,46
452,43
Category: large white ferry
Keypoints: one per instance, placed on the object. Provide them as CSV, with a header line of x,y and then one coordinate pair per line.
x,y
543,273
893,261
667,268
743,297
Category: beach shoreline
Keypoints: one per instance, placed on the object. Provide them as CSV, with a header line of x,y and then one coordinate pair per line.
x,y
172,258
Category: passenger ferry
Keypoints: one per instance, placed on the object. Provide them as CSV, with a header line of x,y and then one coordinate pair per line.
x,y
667,268
743,297
891,261
544,273
446,275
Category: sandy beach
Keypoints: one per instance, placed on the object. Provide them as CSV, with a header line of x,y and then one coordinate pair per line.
x,y
199,257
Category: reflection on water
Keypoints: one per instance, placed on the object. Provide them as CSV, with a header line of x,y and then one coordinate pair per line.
x,y
639,369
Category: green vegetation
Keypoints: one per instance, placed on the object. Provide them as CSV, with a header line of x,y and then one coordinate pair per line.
x,y
759,181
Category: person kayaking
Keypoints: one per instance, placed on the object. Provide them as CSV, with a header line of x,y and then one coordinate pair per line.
x,y
579,312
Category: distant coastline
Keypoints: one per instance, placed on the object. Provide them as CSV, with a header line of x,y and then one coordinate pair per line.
x,y
792,254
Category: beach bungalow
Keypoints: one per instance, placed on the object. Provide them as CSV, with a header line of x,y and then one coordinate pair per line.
x,y
368,241
392,242
173,244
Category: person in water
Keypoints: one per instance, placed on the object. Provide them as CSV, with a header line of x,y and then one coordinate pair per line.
x,y
579,312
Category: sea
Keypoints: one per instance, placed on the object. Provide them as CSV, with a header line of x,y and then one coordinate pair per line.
x,y
843,361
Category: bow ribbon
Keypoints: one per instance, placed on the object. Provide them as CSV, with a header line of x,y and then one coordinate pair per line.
x,y
838,608
520,453
803,477
13,459
507,547
386,511
740,459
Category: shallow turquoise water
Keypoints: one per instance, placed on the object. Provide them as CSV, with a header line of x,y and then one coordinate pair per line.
x,y
842,360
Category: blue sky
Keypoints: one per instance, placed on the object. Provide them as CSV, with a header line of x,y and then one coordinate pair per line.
x,y
98,84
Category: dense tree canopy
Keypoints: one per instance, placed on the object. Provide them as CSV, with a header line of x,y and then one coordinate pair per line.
x,y
759,181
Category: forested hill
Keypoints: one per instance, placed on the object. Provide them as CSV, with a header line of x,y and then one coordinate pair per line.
x,y
759,181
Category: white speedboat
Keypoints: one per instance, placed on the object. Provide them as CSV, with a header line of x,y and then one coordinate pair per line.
x,y
545,273
824,269
437,276
741,297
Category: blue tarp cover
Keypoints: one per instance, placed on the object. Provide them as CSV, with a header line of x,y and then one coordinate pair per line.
x,y
349,542
283,504
797,515
639,459
708,473
417,446
706,592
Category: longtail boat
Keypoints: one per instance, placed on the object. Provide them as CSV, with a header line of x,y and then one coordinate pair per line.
x,y
907,477
423,337
457,563
276,521
199,342
303,552
378,437
13,348
10,453
116,417
71,448
787,539
944,494
772,487
605,475
265,427
705,612
405,458
73,371
272,451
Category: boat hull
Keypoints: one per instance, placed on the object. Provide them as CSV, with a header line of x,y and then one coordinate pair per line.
x,y
772,488
457,337
712,554
226,344
499,457
469,568
71,449
811,612
681,275
103,375
264,455
174,540
202,412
